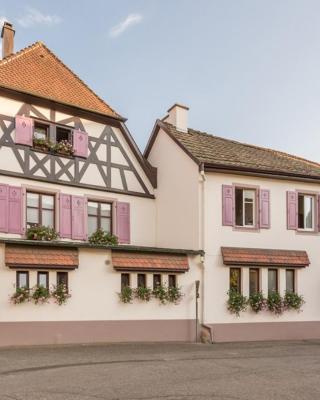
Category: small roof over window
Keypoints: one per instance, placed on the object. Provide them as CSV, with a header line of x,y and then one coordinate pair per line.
x,y
264,257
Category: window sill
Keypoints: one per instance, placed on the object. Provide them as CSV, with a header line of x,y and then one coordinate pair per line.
x,y
306,232
53,153
246,229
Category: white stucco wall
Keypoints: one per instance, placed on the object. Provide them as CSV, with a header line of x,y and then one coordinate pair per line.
x,y
277,237
177,195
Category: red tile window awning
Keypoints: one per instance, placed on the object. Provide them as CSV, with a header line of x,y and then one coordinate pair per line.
x,y
127,261
41,257
264,257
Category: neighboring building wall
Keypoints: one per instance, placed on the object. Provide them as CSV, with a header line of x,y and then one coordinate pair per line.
x,y
277,237
177,195
94,312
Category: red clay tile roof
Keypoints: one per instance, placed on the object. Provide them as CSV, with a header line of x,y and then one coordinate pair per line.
x,y
264,257
223,153
37,257
150,262
36,70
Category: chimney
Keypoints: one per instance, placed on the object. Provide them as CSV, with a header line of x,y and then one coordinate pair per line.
x,y
178,116
7,36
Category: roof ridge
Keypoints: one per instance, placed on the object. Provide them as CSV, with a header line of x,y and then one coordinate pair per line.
x,y
20,52
279,152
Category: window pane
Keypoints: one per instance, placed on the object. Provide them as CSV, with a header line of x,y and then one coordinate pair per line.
x,y
92,208
105,224
156,280
40,132
239,207
32,216
105,209
22,279
62,278
235,279
43,279
290,280
249,195
172,281
141,280
248,214
32,200
272,280
254,280
63,134
92,225
301,211
308,211
125,280
48,218
47,201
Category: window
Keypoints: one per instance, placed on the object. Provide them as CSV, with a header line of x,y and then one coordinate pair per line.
x,y
172,281
290,280
306,212
254,280
245,207
41,131
22,279
141,280
63,134
62,279
99,216
272,280
156,280
125,280
40,209
235,279
43,279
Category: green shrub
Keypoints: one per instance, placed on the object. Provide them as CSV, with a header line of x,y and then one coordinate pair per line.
x,y
161,293
126,294
102,237
21,295
174,294
275,303
293,301
257,302
143,293
40,294
39,232
60,294
236,302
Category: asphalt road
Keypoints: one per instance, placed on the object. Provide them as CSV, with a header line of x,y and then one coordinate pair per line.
x,y
259,371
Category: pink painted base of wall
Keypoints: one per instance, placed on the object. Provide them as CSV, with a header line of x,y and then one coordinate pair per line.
x,y
66,332
246,332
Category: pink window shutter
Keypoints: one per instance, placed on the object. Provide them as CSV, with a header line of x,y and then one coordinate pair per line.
x,y
4,196
292,210
80,143
227,205
264,208
123,222
24,130
79,218
65,215
15,224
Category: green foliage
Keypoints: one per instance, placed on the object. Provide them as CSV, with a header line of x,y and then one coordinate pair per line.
x,y
161,293
293,301
63,147
39,232
102,237
60,294
143,293
40,294
126,295
236,302
174,294
275,303
257,302
21,295
44,144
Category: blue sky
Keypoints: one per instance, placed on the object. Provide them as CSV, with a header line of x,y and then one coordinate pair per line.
x,y
249,70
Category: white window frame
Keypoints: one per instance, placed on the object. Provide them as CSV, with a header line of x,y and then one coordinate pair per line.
x,y
244,189
308,195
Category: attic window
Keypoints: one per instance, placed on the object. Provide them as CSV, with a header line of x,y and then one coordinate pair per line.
x,y
63,134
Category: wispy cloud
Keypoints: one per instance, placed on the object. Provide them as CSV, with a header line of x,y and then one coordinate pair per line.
x,y
35,17
130,20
